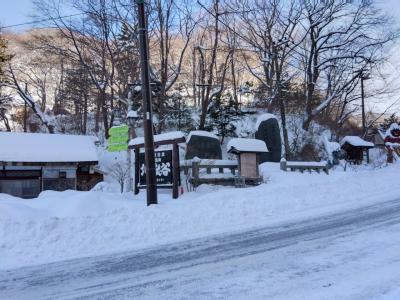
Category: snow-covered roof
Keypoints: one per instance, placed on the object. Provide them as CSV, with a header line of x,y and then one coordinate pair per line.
x,y
264,117
246,145
355,141
201,133
41,148
173,135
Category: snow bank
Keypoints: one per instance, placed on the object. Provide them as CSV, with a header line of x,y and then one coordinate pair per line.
x,y
246,145
64,225
40,147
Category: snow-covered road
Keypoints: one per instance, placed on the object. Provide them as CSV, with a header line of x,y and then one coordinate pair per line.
x,y
351,255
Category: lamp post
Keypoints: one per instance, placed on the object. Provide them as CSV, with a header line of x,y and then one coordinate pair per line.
x,y
151,183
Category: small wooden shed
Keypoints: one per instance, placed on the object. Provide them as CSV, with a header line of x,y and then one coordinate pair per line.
x,y
355,147
248,152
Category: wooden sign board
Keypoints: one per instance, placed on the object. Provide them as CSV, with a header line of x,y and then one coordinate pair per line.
x,y
163,168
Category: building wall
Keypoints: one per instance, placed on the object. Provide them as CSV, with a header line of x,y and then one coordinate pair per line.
x,y
59,178
27,181
21,183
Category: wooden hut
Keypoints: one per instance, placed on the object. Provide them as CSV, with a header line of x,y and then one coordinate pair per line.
x,y
248,152
34,162
355,148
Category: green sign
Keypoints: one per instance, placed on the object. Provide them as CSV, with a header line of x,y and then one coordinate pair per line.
x,y
118,130
118,140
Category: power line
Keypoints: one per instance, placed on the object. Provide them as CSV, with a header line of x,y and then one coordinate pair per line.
x,y
41,21
51,19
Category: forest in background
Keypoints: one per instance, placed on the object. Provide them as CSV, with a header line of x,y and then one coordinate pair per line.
x,y
212,62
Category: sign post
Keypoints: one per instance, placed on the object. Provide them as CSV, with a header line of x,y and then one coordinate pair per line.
x,y
163,168
167,165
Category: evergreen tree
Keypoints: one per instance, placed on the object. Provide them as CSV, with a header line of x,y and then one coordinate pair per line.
x,y
127,39
127,58
178,114
75,93
222,112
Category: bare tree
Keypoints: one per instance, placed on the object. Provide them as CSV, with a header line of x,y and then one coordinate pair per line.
x,y
339,33
270,34
171,30
14,84
120,172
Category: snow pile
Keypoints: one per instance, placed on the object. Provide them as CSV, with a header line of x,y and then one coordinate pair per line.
x,y
246,145
201,133
40,147
356,141
64,225
262,118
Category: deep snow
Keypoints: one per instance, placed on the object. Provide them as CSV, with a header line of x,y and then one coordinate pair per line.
x,y
63,225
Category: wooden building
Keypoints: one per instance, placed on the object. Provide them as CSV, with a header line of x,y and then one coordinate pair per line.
x,y
34,162
355,148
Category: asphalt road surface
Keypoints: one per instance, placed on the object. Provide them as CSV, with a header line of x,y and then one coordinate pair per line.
x,y
351,255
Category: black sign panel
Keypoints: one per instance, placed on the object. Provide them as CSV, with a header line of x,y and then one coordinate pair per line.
x,y
163,167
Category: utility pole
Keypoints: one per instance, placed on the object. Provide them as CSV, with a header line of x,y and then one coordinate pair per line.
x,y
363,104
364,125
151,182
25,109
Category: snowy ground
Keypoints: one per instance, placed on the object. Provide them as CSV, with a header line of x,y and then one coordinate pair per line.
x,y
59,226
348,255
